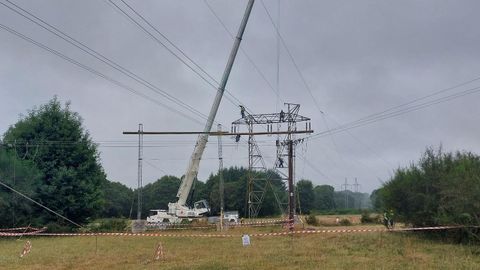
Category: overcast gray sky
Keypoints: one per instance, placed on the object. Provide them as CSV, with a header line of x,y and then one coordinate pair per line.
x,y
357,57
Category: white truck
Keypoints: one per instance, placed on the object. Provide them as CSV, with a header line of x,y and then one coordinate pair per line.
x,y
180,210
231,216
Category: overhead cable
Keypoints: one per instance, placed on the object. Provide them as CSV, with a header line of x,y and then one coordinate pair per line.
x,y
95,72
61,34
379,117
255,66
230,97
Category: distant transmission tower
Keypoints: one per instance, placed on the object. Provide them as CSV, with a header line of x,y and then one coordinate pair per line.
x,y
345,189
357,189
356,185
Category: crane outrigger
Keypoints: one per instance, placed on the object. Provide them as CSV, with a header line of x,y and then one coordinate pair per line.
x,y
180,210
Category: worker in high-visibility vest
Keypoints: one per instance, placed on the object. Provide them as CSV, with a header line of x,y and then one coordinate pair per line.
x,y
388,219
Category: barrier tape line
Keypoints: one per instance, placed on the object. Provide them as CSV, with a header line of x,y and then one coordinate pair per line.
x,y
151,228
238,235
10,231
238,224
19,229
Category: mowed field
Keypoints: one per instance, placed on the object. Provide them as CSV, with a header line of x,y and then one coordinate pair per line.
x,y
372,250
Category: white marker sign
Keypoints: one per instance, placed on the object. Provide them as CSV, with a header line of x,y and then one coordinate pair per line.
x,y
246,240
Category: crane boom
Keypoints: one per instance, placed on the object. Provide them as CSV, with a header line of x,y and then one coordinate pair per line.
x,y
193,166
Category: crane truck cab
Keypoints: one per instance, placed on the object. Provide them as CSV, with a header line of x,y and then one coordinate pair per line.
x,y
231,216
176,213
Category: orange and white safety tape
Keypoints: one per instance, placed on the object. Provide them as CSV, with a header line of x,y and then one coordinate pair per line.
x,y
302,232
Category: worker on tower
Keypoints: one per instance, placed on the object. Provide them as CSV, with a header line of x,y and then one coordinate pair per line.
x,y
242,111
282,116
280,162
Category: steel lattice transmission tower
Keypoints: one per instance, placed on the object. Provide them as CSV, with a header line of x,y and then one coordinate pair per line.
x,y
284,167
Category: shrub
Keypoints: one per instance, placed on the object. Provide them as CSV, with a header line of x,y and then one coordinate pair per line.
x,y
57,228
311,220
345,222
367,217
440,189
108,225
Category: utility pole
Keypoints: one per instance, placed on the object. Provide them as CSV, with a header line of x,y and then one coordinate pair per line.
x,y
140,158
345,188
291,193
220,176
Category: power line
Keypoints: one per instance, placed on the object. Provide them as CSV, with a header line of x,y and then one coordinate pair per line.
x,y
158,41
302,78
313,167
93,71
306,85
378,156
255,66
57,32
357,123
419,99
380,115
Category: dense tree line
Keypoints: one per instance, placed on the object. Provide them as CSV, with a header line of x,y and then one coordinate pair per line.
x,y
324,198
440,189
157,195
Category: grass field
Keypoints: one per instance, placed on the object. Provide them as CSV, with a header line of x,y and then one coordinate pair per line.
x,y
319,251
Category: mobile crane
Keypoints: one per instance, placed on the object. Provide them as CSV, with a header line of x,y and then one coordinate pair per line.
x,y
180,210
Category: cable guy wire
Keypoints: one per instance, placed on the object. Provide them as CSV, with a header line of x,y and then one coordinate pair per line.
x,y
39,204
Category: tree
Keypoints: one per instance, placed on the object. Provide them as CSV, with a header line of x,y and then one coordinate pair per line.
x,y
235,183
118,199
442,188
306,196
376,199
52,137
23,176
341,202
324,197
158,194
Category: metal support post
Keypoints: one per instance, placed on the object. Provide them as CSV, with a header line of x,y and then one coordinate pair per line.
x,y
220,177
140,157
291,195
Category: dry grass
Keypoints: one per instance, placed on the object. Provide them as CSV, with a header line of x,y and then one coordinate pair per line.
x,y
330,220
322,251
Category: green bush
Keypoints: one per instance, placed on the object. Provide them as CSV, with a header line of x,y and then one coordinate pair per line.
x,y
58,228
345,222
311,220
108,225
440,189
368,218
